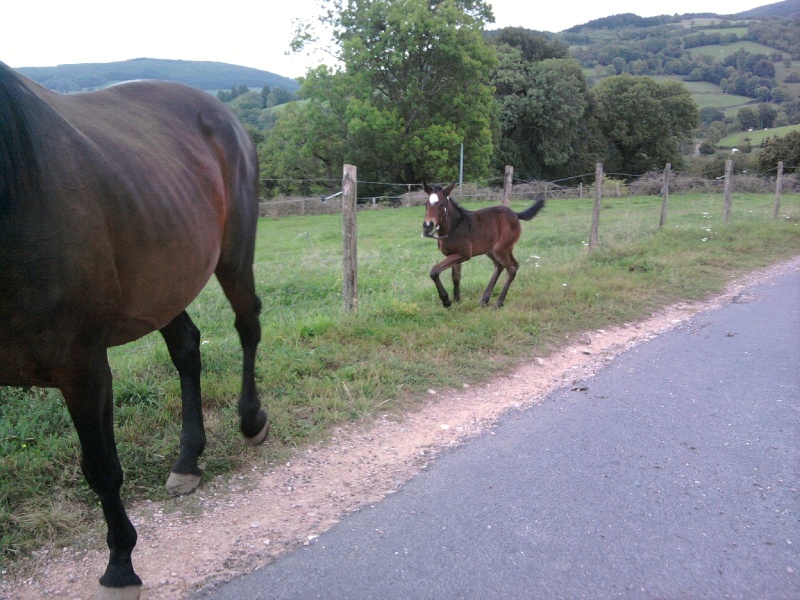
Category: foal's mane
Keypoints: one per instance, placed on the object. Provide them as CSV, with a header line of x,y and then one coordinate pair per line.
x,y
19,166
458,207
455,204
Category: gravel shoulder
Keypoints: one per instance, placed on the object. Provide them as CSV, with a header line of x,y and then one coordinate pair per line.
x,y
230,527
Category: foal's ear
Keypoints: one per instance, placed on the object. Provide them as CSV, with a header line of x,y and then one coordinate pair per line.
x,y
428,189
449,189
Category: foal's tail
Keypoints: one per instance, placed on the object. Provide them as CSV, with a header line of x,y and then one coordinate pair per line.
x,y
528,214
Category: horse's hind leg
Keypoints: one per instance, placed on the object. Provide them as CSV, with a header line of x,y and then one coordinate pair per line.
x,y
87,391
511,267
487,294
240,291
183,342
456,273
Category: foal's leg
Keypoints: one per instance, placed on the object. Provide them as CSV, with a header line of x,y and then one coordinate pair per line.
x,y
511,267
86,386
240,291
183,342
498,268
452,260
456,273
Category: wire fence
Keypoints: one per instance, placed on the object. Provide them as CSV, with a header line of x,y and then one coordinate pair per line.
x,y
615,185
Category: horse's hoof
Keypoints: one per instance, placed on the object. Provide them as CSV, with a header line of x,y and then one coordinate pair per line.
x,y
181,484
132,592
259,438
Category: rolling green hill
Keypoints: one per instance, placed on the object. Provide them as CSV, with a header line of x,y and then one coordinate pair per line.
x,y
209,76
755,137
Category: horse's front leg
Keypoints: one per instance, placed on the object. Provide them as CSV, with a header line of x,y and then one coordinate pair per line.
x,y
452,260
183,342
86,386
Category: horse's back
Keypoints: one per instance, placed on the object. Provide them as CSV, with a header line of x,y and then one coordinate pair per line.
x,y
500,223
179,184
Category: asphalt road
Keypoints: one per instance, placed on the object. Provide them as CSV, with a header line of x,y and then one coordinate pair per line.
x,y
674,474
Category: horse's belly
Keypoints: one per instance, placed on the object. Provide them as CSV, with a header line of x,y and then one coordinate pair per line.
x,y
153,294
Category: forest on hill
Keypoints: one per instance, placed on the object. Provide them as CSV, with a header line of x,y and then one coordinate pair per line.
x,y
742,55
205,75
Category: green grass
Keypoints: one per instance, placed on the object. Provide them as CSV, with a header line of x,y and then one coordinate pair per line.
x,y
740,31
721,51
756,136
319,367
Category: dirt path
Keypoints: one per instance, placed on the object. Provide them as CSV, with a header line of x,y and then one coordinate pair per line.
x,y
230,527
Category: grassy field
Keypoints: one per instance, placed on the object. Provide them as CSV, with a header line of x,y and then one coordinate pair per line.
x,y
756,137
722,51
319,367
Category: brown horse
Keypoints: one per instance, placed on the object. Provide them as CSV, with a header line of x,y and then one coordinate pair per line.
x,y
463,233
116,207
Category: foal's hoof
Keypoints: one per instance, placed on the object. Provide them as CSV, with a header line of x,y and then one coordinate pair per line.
x,y
259,438
132,592
181,484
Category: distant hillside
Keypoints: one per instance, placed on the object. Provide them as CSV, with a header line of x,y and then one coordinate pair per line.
x,y
210,76
789,9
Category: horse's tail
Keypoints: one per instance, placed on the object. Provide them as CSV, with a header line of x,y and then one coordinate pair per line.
x,y
528,214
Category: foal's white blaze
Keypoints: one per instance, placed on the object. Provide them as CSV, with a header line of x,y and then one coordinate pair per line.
x,y
433,199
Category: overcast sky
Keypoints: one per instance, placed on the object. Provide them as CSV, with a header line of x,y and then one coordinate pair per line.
x,y
253,34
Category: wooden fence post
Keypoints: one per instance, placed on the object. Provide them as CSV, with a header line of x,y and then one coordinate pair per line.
x,y
665,193
508,180
598,195
778,183
350,258
726,199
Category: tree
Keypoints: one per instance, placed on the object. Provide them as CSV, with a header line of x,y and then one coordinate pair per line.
x,y
748,118
707,147
542,108
764,68
412,88
307,141
767,114
785,148
644,122
533,46
709,114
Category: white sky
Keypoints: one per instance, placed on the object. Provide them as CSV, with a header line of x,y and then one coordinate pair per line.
x,y
252,34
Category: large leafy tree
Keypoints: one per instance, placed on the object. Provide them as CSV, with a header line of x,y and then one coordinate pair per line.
x,y
411,86
643,122
542,101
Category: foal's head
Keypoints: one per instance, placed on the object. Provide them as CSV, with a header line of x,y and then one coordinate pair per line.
x,y
436,208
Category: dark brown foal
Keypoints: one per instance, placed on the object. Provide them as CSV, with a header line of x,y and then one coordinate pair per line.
x,y
463,233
